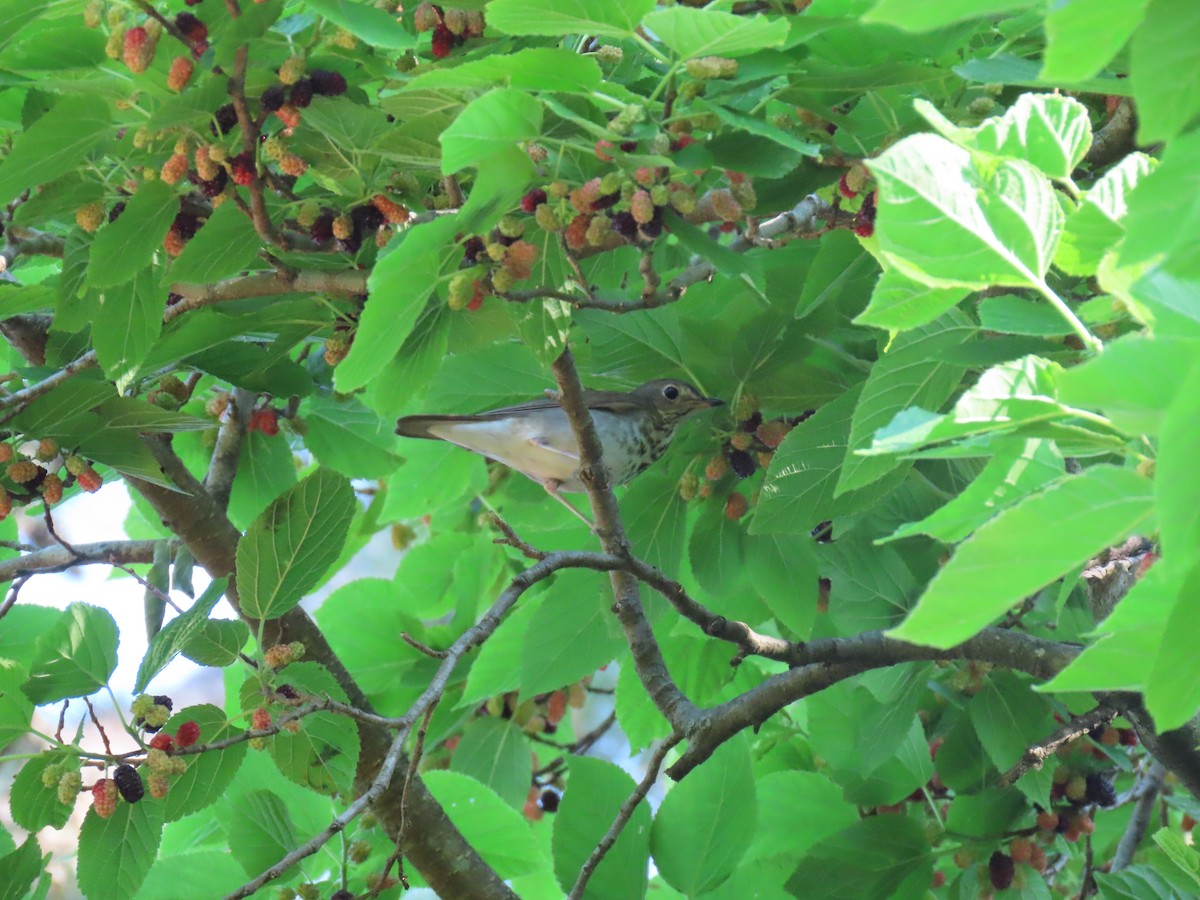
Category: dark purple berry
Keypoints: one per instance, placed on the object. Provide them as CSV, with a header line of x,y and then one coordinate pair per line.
x,y
1002,869
1099,790
322,229
327,83
628,146
473,248
115,212
273,98
186,225
351,244
129,783
549,801
301,93
224,119
625,225
367,218
742,463
210,189
752,423
606,201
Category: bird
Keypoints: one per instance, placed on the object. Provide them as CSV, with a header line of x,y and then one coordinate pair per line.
x,y
536,439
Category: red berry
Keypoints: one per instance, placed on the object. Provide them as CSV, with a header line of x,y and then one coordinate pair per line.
x,y
602,148
181,73
104,797
162,741
531,201
736,506
443,41
187,734
265,420
260,719
845,190
864,229
193,29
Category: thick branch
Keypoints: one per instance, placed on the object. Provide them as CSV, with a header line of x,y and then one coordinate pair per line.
x,y
435,846
59,558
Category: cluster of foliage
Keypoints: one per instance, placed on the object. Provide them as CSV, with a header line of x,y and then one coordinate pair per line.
x,y
935,254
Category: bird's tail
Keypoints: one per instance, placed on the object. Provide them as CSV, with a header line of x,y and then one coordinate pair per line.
x,y
421,426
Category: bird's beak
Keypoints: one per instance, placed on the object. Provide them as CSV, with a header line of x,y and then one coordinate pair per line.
x,y
712,401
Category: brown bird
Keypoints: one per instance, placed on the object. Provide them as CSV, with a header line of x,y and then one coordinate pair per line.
x,y
536,439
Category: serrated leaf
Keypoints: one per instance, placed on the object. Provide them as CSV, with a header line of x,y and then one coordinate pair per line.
x,y
19,869
603,18
594,794
399,285
947,221
349,438
75,657
33,806
169,642
218,643
208,774
132,312
899,303
495,121
496,753
124,247
116,853
1049,532
289,547
54,144
709,32
721,794
224,246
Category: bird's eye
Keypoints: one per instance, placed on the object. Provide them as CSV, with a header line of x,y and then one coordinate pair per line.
x,y
671,392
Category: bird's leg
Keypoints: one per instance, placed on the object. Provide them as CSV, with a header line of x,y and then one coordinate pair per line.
x,y
552,485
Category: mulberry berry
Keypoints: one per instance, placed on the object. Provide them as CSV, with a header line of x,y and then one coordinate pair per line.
x,y
187,734
159,785
1099,790
442,43
182,68
642,207
1002,870
742,463
23,471
393,212
89,480
224,119
138,51
273,98
104,797
736,506
531,201
69,786
328,83
52,488
162,741
90,217
301,94
193,29
129,783
292,165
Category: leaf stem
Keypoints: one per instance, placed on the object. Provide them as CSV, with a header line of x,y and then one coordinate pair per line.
x,y
1090,341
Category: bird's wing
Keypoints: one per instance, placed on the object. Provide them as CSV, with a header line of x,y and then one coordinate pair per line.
x,y
613,401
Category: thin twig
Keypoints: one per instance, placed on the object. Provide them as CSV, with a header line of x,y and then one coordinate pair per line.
x,y
623,816
1033,758
96,721
1148,789
423,648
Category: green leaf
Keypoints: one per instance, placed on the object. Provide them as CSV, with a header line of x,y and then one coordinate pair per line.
x,y
1134,381
20,628
1018,468
492,122
1050,131
603,18
224,246
1176,481
1164,43
1097,225
706,823
372,25
323,754
543,325
531,69
288,548
798,491
75,657
495,752
1179,852
655,519
898,302
1049,533
168,643
33,805
1084,35
116,853
126,246
348,438
989,813
487,823
55,144
926,15
1008,717
780,832
876,857
132,312
569,636
709,32
217,643
399,285
208,774
1011,314
259,830
911,373
497,668
16,710
946,220
19,869
716,550
783,570
595,791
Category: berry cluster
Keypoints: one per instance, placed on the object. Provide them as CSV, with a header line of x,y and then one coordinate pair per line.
x,y
65,779
451,27
348,230
852,183
32,469
150,713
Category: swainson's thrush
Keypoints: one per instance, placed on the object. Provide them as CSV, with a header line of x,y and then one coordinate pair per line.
x,y
536,439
